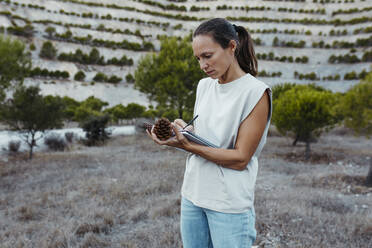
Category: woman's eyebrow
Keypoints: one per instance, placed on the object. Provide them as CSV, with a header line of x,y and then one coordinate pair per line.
x,y
204,53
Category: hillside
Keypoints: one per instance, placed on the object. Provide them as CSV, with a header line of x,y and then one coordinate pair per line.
x,y
306,33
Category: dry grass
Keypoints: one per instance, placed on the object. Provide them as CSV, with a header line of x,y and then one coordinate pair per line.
x,y
126,194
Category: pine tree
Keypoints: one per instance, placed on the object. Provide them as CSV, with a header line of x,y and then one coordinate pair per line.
x,y
32,114
48,51
171,76
304,111
15,63
357,109
79,76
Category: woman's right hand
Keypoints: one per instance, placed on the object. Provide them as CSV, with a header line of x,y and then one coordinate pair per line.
x,y
181,123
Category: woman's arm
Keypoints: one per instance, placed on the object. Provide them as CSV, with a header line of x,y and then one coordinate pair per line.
x,y
249,136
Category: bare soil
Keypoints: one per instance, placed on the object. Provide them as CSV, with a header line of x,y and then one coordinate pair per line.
x,y
127,194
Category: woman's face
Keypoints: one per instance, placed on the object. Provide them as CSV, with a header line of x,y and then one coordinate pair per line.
x,y
213,59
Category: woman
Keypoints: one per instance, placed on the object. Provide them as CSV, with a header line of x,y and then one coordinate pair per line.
x,y
234,111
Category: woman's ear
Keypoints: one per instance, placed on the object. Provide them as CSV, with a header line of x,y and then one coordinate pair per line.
x,y
232,45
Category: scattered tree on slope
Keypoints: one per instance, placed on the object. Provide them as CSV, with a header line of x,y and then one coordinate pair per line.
x,y
29,112
304,111
357,109
15,63
171,76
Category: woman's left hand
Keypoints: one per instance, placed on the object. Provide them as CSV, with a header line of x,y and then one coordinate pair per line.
x,y
179,140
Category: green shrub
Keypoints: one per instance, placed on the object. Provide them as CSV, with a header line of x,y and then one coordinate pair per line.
x,y
279,89
79,76
114,79
117,112
170,114
65,74
134,110
150,113
95,128
344,59
14,145
351,76
83,112
100,77
357,106
123,61
129,78
89,107
79,57
48,51
38,72
32,47
305,111
55,142
26,31
367,56
50,31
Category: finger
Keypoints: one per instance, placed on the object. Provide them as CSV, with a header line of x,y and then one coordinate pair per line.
x,y
190,128
177,132
148,133
180,122
153,135
156,139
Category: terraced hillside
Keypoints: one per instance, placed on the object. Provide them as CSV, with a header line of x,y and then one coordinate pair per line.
x,y
303,41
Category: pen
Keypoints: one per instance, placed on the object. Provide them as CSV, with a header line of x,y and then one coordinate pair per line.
x,y
190,122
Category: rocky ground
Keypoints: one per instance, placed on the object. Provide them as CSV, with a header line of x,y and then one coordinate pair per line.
x,y
126,194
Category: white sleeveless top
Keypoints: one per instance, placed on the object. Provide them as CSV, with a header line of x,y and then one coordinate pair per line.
x,y
221,109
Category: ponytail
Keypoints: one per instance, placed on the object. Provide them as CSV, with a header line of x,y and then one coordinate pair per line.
x,y
245,52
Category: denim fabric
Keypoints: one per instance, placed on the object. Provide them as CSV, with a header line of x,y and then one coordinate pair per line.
x,y
205,228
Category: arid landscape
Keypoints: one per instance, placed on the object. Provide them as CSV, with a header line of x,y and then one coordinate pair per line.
x,y
127,194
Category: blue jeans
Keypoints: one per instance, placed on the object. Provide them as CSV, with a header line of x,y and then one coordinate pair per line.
x,y
205,228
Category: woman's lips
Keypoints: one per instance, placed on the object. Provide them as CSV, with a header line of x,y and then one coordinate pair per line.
x,y
210,72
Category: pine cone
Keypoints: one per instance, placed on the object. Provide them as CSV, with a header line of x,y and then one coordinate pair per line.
x,y
147,126
163,129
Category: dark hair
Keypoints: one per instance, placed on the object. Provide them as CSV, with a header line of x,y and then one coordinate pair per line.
x,y
223,32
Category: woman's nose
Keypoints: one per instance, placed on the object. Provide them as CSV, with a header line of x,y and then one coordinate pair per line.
x,y
203,65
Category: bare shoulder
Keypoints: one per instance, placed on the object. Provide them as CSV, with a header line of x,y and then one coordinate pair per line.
x,y
263,105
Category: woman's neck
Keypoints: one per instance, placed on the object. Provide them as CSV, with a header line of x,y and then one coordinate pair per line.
x,y
232,73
